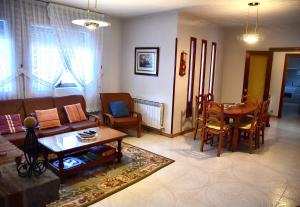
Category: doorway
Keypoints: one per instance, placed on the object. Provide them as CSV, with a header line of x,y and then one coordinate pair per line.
x,y
257,74
289,107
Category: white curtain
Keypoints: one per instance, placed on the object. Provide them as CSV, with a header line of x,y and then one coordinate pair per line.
x,y
80,50
43,65
10,58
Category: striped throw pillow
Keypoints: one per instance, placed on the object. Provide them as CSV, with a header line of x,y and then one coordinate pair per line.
x,y
10,124
48,118
75,113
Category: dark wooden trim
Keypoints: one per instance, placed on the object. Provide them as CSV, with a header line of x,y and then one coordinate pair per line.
x,y
189,104
246,74
174,84
268,76
213,68
157,60
285,49
283,82
268,71
202,79
157,131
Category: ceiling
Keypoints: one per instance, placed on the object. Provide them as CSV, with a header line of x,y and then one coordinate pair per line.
x,y
223,12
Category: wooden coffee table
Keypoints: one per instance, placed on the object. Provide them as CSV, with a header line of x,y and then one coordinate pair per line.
x,y
68,144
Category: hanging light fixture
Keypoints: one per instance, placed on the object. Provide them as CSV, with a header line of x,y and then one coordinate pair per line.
x,y
251,37
91,23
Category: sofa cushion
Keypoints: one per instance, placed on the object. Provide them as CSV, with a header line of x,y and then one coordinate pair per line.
x,y
118,109
12,107
10,124
17,138
60,102
75,113
82,125
53,131
33,104
126,121
47,118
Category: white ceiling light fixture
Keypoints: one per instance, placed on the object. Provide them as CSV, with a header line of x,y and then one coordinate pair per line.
x,y
251,37
91,23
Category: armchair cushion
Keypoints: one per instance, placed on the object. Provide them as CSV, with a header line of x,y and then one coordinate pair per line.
x,y
126,121
118,109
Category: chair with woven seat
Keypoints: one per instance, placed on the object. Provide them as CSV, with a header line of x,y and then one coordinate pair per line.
x,y
249,130
131,120
215,125
199,115
263,121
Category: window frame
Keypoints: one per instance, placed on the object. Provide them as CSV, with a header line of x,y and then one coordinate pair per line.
x,y
191,77
212,67
202,69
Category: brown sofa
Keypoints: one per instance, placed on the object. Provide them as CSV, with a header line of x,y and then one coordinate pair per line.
x,y
25,107
134,120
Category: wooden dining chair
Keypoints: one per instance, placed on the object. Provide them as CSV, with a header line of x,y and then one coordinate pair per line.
x,y
215,124
199,115
210,97
250,99
263,121
249,130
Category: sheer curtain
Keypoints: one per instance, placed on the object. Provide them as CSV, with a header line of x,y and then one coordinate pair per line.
x,y
10,58
80,49
42,63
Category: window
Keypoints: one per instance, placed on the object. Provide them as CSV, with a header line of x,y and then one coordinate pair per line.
x,y
5,60
202,67
46,63
190,90
212,68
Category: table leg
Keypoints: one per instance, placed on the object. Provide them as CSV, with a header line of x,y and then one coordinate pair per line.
x,y
119,150
235,133
61,168
46,160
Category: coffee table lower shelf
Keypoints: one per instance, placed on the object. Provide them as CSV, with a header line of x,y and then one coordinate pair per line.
x,y
93,160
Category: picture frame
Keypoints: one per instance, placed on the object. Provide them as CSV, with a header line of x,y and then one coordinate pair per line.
x,y
146,61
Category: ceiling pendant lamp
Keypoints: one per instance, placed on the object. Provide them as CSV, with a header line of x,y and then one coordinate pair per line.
x,y
90,23
251,37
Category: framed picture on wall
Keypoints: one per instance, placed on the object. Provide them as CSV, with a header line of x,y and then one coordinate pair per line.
x,y
146,61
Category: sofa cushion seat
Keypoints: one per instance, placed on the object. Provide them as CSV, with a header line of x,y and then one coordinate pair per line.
x,y
126,121
82,125
17,138
53,131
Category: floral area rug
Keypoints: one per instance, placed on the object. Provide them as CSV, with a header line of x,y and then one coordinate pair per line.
x,y
96,184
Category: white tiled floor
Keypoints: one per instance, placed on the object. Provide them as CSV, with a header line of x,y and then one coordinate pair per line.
x,y
269,177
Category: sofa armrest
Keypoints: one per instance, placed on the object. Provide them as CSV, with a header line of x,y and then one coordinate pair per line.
x,y
108,119
95,118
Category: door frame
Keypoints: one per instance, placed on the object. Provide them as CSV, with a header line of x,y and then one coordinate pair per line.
x,y
268,72
287,55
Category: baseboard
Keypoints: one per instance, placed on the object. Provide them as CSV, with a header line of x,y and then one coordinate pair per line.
x,y
157,131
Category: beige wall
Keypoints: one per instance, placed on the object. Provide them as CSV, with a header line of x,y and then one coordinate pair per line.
x,y
191,27
156,30
235,54
111,59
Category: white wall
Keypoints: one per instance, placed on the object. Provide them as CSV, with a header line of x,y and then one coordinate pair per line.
x,y
111,59
192,27
235,54
155,30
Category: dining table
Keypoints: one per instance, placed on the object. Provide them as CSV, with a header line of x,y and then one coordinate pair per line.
x,y
236,111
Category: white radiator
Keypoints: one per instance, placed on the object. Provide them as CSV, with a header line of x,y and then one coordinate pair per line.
x,y
152,112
